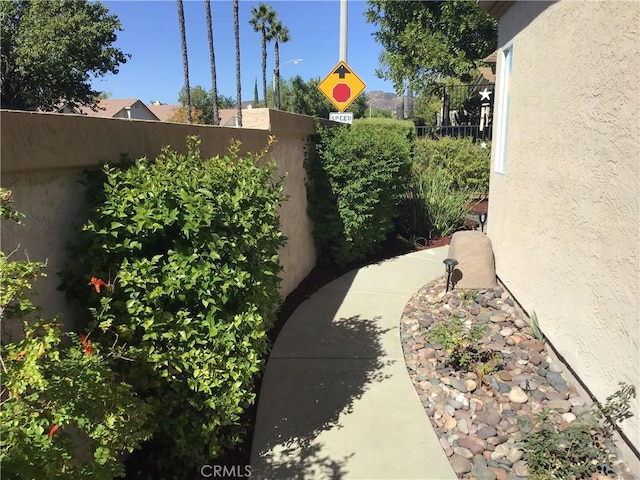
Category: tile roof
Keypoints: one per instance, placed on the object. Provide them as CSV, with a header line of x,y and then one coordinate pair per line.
x,y
163,112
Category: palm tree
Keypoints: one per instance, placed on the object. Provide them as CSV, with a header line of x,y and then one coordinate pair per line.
x,y
236,31
185,60
263,18
212,55
279,34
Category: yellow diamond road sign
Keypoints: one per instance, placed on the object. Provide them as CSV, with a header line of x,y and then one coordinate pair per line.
x,y
342,86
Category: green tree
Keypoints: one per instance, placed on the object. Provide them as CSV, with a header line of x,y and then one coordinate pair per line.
x,y
236,34
185,60
204,102
212,60
279,34
305,98
263,18
425,41
51,49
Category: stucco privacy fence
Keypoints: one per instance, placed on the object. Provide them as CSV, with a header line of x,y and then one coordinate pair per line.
x,y
42,156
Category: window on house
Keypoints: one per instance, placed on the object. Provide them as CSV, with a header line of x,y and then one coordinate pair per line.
x,y
506,62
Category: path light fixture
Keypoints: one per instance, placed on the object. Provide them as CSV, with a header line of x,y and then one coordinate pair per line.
x,y
483,219
450,263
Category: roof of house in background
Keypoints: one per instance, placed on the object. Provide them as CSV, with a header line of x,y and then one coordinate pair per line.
x,y
110,107
162,111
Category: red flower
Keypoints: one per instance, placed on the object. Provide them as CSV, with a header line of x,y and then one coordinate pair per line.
x,y
86,345
53,430
97,283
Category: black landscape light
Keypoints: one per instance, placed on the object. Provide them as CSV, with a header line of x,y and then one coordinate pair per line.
x,y
483,219
450,263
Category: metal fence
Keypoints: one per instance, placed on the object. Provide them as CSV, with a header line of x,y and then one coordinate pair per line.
x,y
465,111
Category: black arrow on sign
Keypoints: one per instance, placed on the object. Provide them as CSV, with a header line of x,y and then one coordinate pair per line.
x,y
342,71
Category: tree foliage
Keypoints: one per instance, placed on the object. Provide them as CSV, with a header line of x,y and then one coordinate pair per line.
x,y
52,48
65,412
424,41
202,105
187,250
279,34
357,177
262,18
303,97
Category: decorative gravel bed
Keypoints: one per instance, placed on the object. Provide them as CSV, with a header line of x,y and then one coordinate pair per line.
x,y
477,419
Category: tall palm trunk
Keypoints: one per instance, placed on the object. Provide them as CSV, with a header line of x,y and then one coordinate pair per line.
x,y
236,31
279,34
276,71
185,60
212,57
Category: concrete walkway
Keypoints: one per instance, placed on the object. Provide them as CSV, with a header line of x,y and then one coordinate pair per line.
x,y
336,399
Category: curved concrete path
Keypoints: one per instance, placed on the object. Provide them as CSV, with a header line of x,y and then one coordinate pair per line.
x,y
336,399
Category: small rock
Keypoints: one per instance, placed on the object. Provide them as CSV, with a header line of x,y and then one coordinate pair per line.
x,y
493,418
499,472
536,359
505,376
497,318
576,401
500,452
497,440
463,427
506,332
518,322
450,423
553,395
446,447
561,406
458,385
553,367
517,395
463,452
480,470
460,464
568,417
520,469
486,432
470,385
514,455
471,445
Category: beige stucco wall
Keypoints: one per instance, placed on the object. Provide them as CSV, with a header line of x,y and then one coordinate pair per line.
x,y
42,156
564,218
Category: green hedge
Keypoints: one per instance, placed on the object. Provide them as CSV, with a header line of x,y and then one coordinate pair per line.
x,y
467,164
357,177
183,254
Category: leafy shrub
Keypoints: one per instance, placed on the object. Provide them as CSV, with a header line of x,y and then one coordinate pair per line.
x,y
358,175
435,208
185,267
65,414
462,346
584,447
466,164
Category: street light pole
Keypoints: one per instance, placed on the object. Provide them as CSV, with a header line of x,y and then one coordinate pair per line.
x,y
295,61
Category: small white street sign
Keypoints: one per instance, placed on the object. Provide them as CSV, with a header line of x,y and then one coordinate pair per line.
x,y
342,117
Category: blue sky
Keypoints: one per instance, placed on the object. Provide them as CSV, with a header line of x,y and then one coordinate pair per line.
x,y
151,35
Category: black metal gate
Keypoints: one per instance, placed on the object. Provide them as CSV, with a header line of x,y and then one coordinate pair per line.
x,y
465,111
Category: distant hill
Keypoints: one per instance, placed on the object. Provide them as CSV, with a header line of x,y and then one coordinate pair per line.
x,y
382,101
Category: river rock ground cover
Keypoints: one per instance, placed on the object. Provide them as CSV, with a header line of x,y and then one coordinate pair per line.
x,y
481,419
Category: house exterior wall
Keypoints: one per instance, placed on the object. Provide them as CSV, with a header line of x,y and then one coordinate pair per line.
x,y
138,112
563,218
44,154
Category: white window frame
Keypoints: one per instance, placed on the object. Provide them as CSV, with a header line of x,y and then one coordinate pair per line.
x,y
504,74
